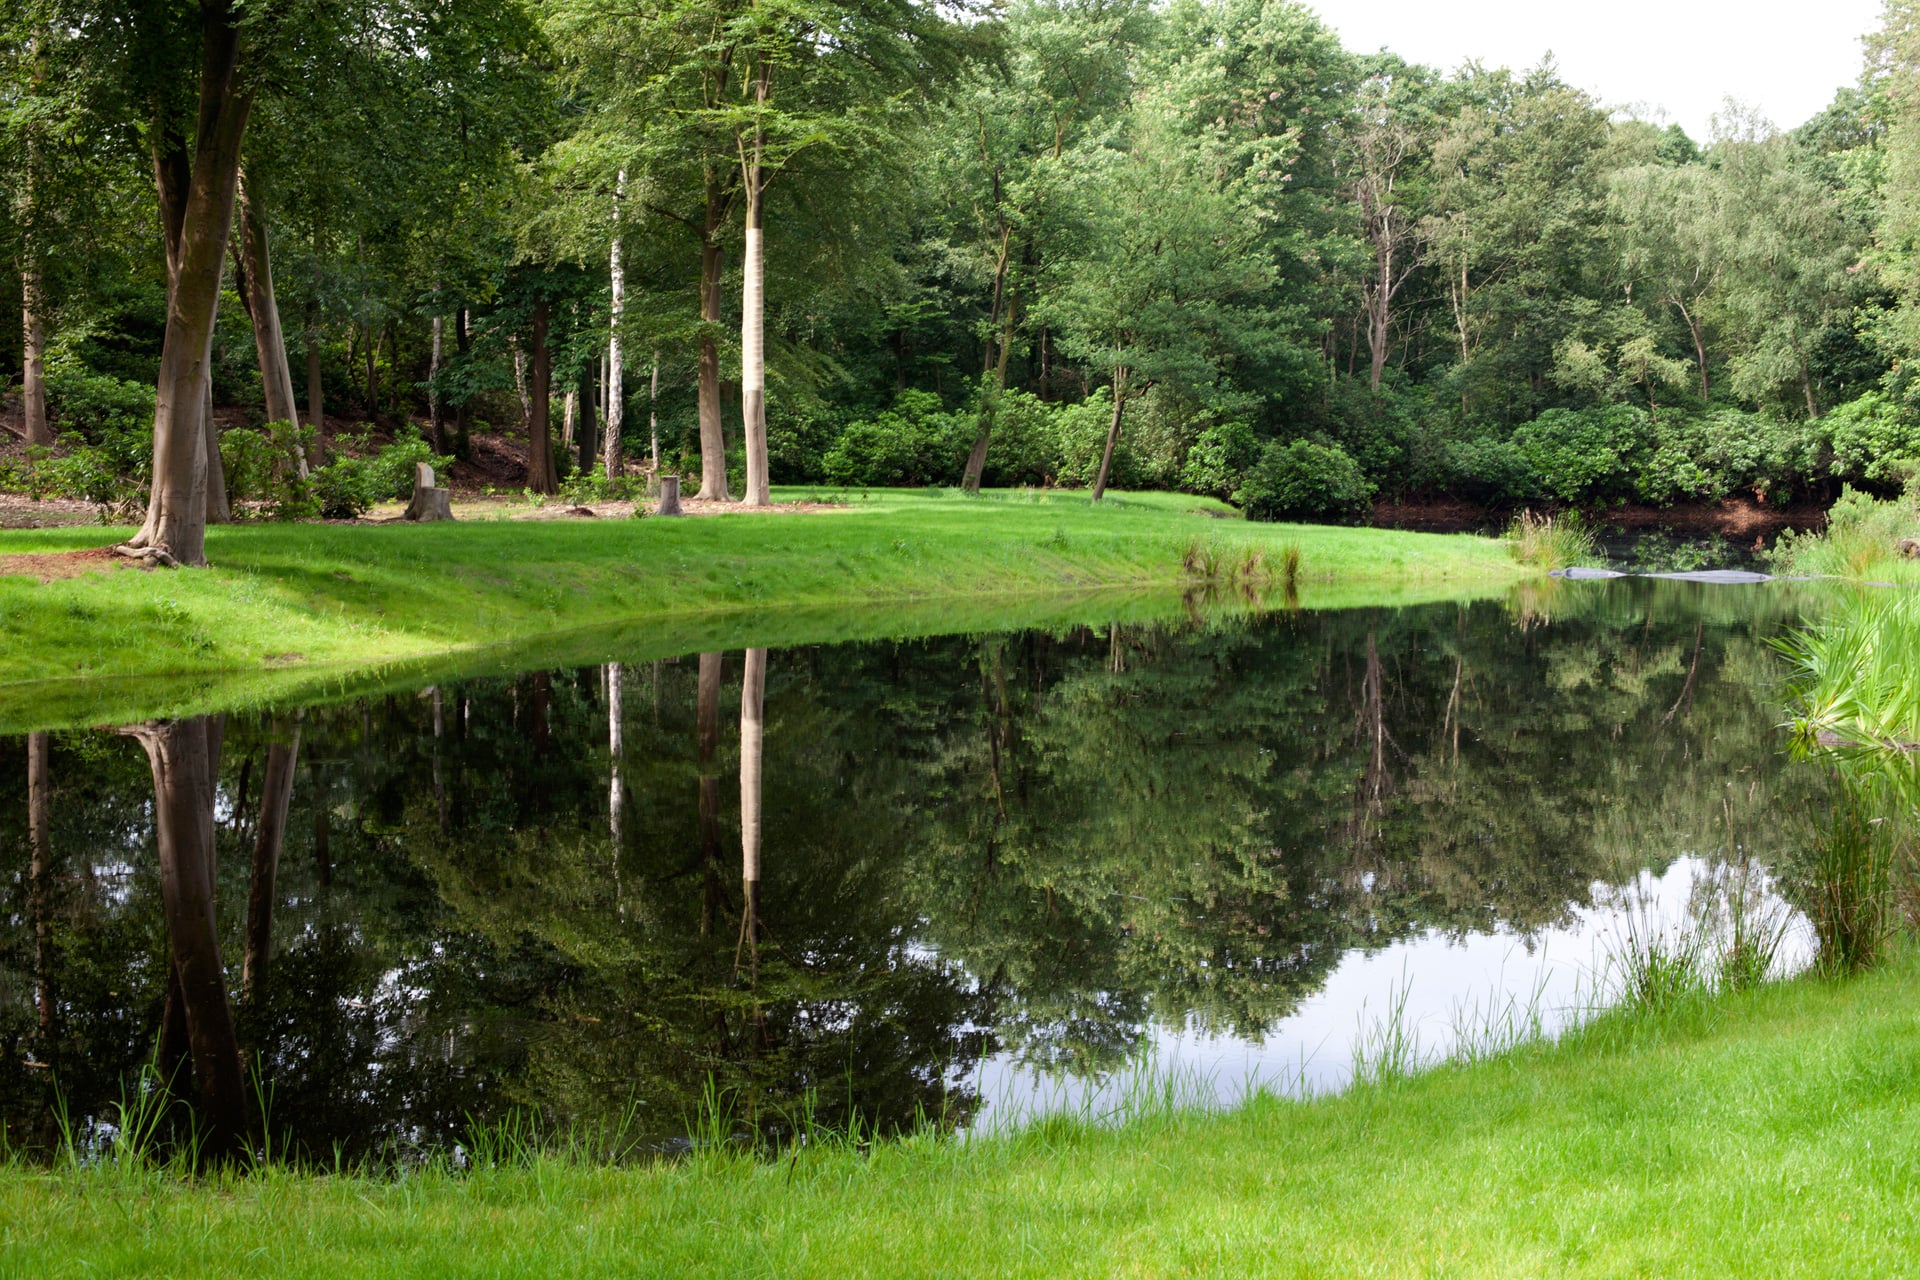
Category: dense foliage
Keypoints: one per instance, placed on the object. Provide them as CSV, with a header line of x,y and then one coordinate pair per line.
x,y
1198,227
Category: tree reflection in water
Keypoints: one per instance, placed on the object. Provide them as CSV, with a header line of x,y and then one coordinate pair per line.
x,y
510,893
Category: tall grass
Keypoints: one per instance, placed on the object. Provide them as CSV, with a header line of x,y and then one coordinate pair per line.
x,y
1550,542
1856,708
1861,539
1848,887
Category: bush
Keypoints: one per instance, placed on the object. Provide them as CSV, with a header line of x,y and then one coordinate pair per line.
x,y
1218,462
915,442
1873,439
105,431
1490,471
1080,436
1587,454
263,473
1708,456
1026,442
1305,481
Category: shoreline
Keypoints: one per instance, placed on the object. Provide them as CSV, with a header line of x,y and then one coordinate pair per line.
x,y
320,598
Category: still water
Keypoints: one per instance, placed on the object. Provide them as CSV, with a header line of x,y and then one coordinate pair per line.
x,y
961,878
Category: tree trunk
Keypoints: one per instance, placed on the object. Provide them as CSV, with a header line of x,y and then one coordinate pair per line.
x,y
181,754
1380,311
541,477
269,342
707,739
436,419
569,412
753,312
713,439
1113,431
1699,343
316,407
276,794
587,428
373,370
653,414
176,510
33,380
753,693
616,405
219,508
40,857
463,412
989,367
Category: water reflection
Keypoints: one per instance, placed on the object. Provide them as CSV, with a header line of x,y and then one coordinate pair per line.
x,y
960,859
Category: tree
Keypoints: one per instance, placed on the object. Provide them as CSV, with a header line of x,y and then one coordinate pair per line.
x,y
1171,284
1383,161
1668,222
1790,250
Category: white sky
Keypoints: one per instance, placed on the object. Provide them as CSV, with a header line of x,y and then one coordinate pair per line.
x,y
1680,57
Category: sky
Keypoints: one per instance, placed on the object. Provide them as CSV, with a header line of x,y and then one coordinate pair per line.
x,y
1673,59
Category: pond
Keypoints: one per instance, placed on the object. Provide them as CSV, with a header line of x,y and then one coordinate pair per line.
x,y
954,880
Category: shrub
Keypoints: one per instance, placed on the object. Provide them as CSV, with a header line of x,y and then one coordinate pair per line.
x,y
1873,439
105,429
1218,462
915,442
1490,471
1305,481
344,489
1026,441
1587,454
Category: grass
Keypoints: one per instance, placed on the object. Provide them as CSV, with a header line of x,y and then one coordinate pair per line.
x,y
1550,542
289,606
1769,1132
1861,541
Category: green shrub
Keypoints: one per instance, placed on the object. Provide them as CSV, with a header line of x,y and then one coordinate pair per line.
x,y
915,442
1218,462
1587,455
1305,481
343,489
1709,456
1080,437
1873,439
105,430
1490,471
1026,442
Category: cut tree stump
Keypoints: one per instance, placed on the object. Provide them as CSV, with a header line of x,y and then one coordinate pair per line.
x,y
428,502
669,497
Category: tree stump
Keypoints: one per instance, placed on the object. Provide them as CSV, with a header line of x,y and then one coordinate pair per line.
x,y
669,497
428,502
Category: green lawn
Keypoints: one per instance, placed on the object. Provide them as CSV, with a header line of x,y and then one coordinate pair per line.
x,y
1773,1134
323,600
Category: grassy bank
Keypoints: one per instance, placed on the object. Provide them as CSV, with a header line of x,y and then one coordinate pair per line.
x,y
284,597
1766,1134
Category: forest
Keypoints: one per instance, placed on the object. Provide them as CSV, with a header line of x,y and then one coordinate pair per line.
x,y
271,254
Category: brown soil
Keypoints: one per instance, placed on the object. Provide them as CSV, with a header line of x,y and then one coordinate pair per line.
x,y
693,507
1734,517
48,566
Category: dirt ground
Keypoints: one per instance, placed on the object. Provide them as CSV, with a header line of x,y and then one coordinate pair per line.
x,y
62,564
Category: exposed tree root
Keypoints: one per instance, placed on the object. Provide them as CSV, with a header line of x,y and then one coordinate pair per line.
x,y
150,556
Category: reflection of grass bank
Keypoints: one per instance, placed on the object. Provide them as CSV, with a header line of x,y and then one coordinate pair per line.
x,y
305,596
1679,1144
